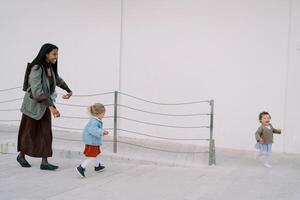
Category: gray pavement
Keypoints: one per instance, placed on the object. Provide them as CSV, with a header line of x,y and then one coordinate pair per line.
x,y
138,173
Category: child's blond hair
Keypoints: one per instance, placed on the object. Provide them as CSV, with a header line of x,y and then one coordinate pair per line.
x,y
96,109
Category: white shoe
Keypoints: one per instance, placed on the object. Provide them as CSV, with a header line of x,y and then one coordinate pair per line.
x,y
267,165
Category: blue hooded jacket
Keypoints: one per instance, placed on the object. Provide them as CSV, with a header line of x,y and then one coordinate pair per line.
x,y
93,132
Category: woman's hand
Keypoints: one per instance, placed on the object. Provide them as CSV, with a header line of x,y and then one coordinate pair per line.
x,y
67,96
279,131
261,141
105,132
54,111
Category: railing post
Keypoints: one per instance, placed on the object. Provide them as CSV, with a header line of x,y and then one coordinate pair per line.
x,y
115,139
212,151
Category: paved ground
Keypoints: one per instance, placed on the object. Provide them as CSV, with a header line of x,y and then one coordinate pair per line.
x,y
136,173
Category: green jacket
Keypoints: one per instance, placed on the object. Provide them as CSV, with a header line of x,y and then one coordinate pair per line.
x,y
39,95
266,134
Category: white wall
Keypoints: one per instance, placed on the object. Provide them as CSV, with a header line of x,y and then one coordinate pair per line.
x,y
87,33
235,52
292,139
232,51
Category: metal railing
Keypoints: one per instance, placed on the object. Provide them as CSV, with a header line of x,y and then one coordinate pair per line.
x,y
116,129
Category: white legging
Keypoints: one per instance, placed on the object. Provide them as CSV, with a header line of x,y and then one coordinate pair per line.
x,y
94,160
265,157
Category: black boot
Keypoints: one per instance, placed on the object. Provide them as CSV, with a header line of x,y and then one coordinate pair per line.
x,y
80,170
22,161
99,168
48,167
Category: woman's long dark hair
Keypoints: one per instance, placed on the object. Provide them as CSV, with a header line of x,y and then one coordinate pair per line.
x,y
41,61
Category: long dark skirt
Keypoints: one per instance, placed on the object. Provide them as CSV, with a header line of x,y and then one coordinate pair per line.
x,y
35,136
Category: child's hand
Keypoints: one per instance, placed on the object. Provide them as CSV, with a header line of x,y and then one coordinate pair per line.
x,y
105,132
261,141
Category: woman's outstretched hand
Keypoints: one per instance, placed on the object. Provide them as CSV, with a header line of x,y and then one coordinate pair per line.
x,y
67,96
54,111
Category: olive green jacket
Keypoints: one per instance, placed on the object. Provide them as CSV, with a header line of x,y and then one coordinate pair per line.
x,y
39,95
266,134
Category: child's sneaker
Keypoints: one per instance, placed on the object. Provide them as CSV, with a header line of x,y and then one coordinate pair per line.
x,y
80,170
267,165
99,168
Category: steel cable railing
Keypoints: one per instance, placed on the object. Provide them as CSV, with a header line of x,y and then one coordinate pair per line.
x,y
116,105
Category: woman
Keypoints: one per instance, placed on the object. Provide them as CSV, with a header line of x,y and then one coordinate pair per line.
x,y
35,132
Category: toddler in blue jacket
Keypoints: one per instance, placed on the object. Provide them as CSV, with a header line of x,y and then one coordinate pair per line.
x,y
92,138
